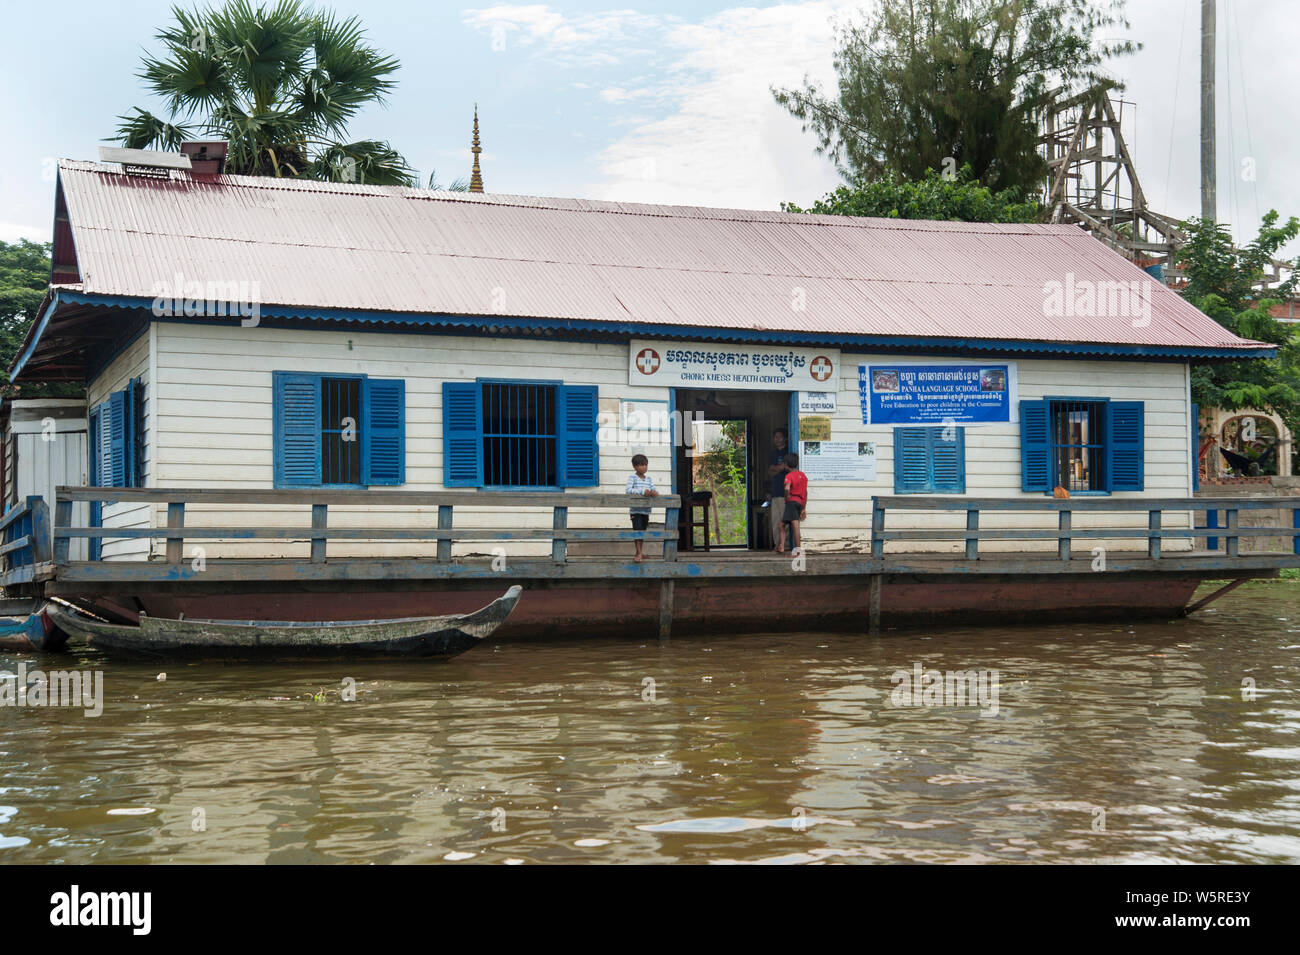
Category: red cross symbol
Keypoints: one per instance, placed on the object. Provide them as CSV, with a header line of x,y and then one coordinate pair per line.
x,y
647,361
822,368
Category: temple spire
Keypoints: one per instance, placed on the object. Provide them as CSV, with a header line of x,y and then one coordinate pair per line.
x,y
476,175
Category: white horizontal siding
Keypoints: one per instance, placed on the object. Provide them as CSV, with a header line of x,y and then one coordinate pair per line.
x,y
211,420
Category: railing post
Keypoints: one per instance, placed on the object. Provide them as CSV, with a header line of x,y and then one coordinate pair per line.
x,y
319,522
1295,538
63,519
671,530
1231,514
175,518
444,524
40,530
972,543
1211,522
1063,527
1153,542
877,525
559,544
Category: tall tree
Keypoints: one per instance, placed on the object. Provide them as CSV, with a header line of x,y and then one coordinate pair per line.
x,y
24,278
940,84
951,198
281,83
1221,281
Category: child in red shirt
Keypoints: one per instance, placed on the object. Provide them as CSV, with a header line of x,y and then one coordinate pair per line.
x,y
796,500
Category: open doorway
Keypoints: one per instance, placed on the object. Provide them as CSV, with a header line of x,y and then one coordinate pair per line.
x,y
720,473
721,466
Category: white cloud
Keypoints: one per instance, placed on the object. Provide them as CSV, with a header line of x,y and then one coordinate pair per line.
x,y
715,135
586,39
728,143
13,231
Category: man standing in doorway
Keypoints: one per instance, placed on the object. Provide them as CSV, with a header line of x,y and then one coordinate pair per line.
x,y
776,481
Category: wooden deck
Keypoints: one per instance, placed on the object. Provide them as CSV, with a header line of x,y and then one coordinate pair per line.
x,y
745,586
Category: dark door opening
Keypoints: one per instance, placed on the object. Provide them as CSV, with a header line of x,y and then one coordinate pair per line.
x,y
721,465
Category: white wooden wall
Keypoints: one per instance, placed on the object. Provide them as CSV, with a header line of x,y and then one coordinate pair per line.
x,y
209,414
47,458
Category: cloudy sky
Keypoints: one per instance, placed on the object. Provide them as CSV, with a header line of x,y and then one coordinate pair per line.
x,y
665,102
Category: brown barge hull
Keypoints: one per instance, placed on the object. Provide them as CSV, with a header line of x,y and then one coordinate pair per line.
x,y
632,609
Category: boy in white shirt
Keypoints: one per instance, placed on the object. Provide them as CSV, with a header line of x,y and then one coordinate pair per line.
x,y
640,483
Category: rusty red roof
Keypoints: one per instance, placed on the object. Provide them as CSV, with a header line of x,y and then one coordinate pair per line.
x,y
336,246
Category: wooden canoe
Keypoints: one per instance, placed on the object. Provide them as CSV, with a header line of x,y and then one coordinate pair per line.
x,y
444,636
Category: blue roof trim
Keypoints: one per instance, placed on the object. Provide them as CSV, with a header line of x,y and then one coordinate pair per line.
x,y
848,342
40,330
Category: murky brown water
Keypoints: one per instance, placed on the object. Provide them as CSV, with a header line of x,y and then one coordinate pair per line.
x,y
756,748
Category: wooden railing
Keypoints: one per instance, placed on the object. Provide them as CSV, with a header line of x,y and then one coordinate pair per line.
x,y
1064,533
319,533
25,532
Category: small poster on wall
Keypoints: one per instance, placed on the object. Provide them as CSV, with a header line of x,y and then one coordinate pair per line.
x,y
816,428
838,460
817,402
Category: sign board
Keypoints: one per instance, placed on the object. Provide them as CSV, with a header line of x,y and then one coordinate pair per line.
x,y
642,415
838,460
816,428
961,393
749,367
817,402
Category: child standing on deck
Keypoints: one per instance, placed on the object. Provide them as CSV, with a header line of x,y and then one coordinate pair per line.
x,y
640,483
796,500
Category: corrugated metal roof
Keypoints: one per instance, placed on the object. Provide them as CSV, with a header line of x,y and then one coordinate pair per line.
x,y
392,249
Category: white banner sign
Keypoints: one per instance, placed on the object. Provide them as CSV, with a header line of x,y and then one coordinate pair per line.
x,y
816,402
838,460
753,367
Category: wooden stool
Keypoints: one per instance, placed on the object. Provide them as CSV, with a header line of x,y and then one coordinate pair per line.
x,y
701,500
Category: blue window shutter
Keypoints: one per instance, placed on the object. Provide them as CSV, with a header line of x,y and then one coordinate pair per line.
x,y
948,461
297,429
383,454
1196,447
94,471
912,460
1035,446
462,434
1124,451
579,464
134,466
117,439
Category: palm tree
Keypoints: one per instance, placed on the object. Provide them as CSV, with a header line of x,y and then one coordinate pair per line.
x,y
456,185
279,83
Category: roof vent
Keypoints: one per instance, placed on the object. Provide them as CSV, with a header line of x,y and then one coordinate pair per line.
x,y
207,158
144,162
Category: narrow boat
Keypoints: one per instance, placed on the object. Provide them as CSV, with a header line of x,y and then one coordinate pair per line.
x,y
440,637
29,628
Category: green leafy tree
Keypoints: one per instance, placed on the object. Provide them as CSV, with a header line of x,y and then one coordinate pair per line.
x,y
956,198
1221,281
939,84
280,83
24,278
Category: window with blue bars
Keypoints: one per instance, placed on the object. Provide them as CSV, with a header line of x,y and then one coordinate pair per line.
x,y
930,460
520,435
528,435
338,430
1085,445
